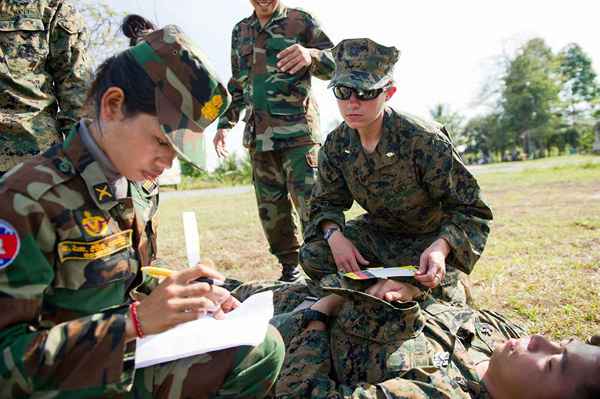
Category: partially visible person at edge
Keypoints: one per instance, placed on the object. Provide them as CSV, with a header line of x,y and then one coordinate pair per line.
x,y
274,53
79,221
423,207
348,339
44,76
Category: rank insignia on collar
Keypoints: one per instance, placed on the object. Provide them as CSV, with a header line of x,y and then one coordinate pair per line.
x,y
149,186
103,193
347,151
390,154
94,225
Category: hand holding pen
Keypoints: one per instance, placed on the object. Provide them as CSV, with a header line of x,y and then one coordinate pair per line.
x,y
180,298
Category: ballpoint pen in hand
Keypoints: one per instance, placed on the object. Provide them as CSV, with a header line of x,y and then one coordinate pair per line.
x,y
160,272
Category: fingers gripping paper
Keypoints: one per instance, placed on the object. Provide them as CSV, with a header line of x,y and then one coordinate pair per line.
x,y
246,325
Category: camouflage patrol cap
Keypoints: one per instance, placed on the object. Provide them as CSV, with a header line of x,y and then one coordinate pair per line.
x,y
363,64
189,95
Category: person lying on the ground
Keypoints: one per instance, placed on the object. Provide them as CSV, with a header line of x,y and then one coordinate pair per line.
x,y
78,222
423,207
357,341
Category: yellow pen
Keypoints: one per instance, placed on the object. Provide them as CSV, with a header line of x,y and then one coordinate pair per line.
x,y
161,272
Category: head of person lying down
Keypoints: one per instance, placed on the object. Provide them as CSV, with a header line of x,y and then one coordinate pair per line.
x,y
374,341
535,367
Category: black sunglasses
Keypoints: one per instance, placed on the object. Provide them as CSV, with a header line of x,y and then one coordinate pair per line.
x,y
344,93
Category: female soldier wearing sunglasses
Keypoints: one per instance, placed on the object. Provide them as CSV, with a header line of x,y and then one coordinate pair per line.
x,y
422,205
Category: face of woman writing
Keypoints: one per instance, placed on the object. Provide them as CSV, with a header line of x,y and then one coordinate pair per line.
x,y
535,367
135,144
139,149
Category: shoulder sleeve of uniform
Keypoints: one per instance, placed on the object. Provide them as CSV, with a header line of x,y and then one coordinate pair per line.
x,y
37,177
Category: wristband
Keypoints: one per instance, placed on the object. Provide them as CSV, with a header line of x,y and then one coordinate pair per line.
x,y
134,319
329,232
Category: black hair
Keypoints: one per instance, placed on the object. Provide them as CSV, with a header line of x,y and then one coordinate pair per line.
x,y
123,71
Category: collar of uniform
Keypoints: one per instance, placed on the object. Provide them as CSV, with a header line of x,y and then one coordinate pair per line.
x,y
384,149
280,13
90,170
96,152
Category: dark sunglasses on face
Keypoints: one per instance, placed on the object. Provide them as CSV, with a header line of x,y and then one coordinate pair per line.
x,y
344,93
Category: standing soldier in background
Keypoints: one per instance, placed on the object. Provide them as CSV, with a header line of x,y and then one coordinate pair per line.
x,y
274,53
43,67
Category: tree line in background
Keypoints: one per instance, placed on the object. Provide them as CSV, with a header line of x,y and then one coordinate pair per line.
x,y
541,103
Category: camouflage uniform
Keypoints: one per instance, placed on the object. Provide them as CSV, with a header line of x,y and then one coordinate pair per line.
x,y
376,349
43,66
413,186
282,119
77,255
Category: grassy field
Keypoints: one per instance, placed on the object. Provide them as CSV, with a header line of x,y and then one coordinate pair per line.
x,y
541,264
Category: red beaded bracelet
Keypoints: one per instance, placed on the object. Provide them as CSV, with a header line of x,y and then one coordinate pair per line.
x,y
134,318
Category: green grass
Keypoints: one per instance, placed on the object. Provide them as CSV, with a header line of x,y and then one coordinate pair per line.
x,y
541,264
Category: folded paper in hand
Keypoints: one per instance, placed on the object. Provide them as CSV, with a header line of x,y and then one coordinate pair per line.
x,y
246,325
382,272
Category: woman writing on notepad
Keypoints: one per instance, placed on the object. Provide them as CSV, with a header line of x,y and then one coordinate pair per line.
x,y
78,222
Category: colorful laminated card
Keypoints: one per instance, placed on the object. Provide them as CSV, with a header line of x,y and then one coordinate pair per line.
x,y
382,272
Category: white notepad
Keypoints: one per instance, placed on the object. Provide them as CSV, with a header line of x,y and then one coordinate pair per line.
x,y
246,325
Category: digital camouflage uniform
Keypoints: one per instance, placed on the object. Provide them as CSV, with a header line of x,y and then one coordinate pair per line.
x,y
43,66
64,295
378,349
414,187
282,118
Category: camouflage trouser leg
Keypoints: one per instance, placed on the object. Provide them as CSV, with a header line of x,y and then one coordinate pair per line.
x,y
279,176
381,249
242,372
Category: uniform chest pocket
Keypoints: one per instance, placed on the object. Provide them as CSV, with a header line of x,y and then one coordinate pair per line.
x,y
245,55
88,264
24,42
398,185
286,93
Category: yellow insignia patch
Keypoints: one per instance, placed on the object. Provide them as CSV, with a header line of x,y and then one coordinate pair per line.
x,y
81,250
94,226
211,109
149,186
103,192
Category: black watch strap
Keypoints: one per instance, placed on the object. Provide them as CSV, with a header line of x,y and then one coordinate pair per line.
x,y
314,315
329,232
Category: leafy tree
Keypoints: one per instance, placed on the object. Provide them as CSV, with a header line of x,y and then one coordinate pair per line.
x,y
486,138
579,94
453,121
530,97
103,24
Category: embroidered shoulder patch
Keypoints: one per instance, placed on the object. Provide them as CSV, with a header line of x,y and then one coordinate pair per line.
x,y
81,250
9,243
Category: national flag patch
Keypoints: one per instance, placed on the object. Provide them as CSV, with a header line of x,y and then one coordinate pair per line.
x,y
9,243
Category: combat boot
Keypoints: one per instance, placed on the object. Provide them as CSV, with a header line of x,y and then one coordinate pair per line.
x,y
290,273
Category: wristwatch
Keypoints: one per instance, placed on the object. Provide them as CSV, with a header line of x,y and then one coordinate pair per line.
x,y
314,315
329,232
